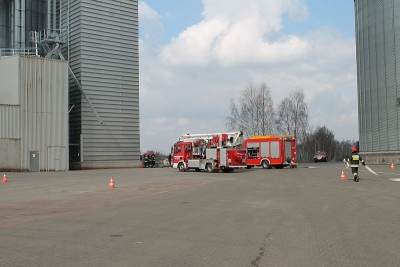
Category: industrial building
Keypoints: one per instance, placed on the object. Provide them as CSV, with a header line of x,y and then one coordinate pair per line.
x,y
33,114
98,42
378,61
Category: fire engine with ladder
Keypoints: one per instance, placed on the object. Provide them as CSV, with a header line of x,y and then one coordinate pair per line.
x,y
210,152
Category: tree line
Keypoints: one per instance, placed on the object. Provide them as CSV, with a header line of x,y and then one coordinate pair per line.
x,y
323,139
255,114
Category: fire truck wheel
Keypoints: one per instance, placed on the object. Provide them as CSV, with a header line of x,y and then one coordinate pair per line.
x,y
181,167
209,167
265,164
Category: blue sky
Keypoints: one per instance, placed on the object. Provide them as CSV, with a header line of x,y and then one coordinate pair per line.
x,y
177,15
197,55
337,14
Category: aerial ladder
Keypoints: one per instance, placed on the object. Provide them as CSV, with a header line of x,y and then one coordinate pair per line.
x,y
211,152
230,139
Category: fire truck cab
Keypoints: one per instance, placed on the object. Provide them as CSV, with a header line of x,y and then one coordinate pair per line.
x,y
210,152
271,151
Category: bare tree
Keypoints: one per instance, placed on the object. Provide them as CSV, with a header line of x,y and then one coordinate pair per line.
x,y
254,113
323,139
293,115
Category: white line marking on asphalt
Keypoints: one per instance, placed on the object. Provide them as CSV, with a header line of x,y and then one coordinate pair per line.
x,y
388,173
395,179
371,170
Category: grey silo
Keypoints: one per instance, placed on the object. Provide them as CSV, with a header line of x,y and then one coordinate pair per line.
x,y
104,55
18,18
378,60
102,49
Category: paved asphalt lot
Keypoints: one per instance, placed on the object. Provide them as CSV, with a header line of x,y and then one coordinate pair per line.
x,y
159,217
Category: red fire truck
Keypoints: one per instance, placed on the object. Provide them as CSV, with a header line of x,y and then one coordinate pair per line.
x,y
271,151
210,152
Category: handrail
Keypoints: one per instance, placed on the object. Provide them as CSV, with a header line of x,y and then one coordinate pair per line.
x,y
4,52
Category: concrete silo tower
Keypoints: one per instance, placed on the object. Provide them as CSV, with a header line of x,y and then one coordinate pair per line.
x,y
378,61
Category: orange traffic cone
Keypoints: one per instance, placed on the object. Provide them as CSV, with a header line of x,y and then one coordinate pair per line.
x,y
392,166
111,184
5,179
343,176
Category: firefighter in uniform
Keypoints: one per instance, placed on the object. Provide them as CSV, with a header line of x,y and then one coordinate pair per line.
x,y
354,162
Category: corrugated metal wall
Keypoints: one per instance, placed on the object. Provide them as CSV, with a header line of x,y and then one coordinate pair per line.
x,y
10,156
40,121
378,60
5,23
44,112
107,62
9,122
72,23
10,130
9,86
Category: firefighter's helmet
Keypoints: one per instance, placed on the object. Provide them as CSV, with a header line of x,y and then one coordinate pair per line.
x,y
354,149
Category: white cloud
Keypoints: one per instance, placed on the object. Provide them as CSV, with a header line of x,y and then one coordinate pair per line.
x,y
194,45
233,33
183,121
187,87
151,28
147,13
270,10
